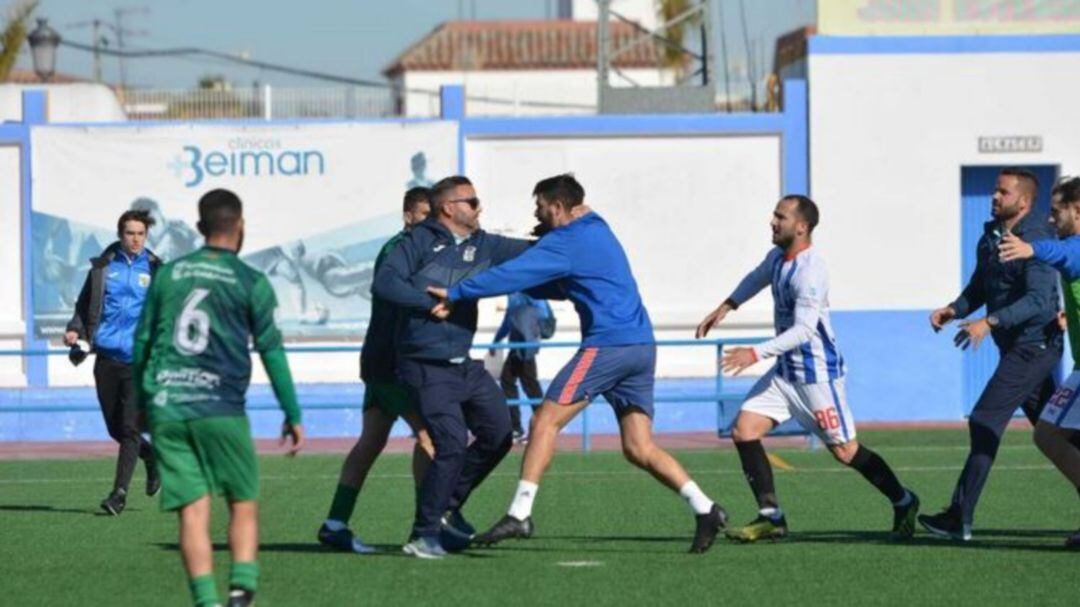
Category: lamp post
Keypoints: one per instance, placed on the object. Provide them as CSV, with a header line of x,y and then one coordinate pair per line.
x,y
43,42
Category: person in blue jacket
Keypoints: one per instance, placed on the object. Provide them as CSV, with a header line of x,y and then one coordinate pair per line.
x,y
106,315
455,395
522,324
580,259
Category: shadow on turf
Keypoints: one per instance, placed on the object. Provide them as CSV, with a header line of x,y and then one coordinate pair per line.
x,y
384,550
984,539
41,508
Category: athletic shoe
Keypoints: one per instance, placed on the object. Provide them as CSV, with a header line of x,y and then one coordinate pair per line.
x,y
761,528
115,503
240,597
507,527
1073,541
424,548
708,526
153,480
342,540
946,524
518,435
903,527
455,533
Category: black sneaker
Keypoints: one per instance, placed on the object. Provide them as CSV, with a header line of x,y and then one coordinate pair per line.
x,y
708,525
518,436
1073,541
153,480
343,540
455,533
507,527
240,597
903,527
946,524
115,503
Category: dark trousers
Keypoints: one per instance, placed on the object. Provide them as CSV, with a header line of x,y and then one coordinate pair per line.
x,y
454,400
1024,378
116,395
515,369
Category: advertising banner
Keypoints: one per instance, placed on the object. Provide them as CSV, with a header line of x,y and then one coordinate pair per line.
x,y
947,17
319,202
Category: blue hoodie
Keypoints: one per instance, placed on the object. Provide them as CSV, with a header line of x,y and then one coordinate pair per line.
x,y
127,280
583,262
429,256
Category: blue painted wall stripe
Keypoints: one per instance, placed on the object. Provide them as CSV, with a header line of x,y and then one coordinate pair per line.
x,y
923,45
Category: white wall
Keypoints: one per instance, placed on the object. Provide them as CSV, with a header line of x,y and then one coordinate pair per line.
x,y
12,323
576,88
692,214
888,137
67,102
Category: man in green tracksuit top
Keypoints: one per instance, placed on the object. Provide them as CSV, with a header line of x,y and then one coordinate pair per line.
x,y
191,370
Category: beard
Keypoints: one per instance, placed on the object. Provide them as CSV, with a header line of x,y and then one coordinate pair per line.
x,y
540,229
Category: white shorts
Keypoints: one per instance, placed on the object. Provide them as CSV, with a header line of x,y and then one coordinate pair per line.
x,y
820,408
1062,410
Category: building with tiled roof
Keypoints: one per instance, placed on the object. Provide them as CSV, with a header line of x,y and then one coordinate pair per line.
x,y
518,67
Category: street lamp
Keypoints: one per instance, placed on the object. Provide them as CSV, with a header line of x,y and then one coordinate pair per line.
x,y
43,42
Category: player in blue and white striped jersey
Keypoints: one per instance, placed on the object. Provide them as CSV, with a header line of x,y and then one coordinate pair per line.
x,y
807,381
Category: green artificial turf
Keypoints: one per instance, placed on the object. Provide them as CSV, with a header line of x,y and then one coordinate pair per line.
x,y
607,534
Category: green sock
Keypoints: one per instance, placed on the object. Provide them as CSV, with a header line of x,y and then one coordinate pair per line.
x,y
244,575
204,590
341,508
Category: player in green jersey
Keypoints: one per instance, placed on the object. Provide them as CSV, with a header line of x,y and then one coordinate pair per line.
x,y
1058,431
192,369
385,400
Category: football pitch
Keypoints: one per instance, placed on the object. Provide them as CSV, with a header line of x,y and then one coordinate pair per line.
x,y
607,534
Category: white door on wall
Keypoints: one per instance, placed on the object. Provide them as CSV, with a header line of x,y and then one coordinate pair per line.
x,y
977,185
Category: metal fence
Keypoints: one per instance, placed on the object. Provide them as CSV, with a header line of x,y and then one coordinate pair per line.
x,y
263,102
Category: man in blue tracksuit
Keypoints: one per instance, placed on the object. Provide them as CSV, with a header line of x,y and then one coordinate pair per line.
x,y
106,315
455,394
521,324
581,260
1021,299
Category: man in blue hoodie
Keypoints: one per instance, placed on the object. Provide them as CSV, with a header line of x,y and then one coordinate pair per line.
x,y
581,260
455,394
522,324
106,315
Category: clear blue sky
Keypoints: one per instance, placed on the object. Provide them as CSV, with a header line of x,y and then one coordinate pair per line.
x,y
355,38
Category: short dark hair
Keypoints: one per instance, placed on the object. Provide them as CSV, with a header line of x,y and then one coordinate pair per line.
x,y
563,189
219,212
142,217
1068,188
1028,180
806,209
415,196
443,187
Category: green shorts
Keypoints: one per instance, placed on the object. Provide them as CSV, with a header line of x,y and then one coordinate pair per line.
x,y
201,456
390,397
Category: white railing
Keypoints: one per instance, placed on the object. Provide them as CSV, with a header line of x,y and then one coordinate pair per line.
x,y
262,102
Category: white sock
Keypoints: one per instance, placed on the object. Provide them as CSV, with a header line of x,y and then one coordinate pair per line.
x,y
904,501
773,514
696,498
521,507
333,525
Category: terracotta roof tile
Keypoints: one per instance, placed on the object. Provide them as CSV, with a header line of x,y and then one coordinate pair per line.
x,y
518,45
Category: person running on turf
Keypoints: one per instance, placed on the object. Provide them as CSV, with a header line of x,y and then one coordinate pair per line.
x,y
192,369
581,260
1057,433
807,381
385,400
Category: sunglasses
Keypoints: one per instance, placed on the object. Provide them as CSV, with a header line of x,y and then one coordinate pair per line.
x,y
473,202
